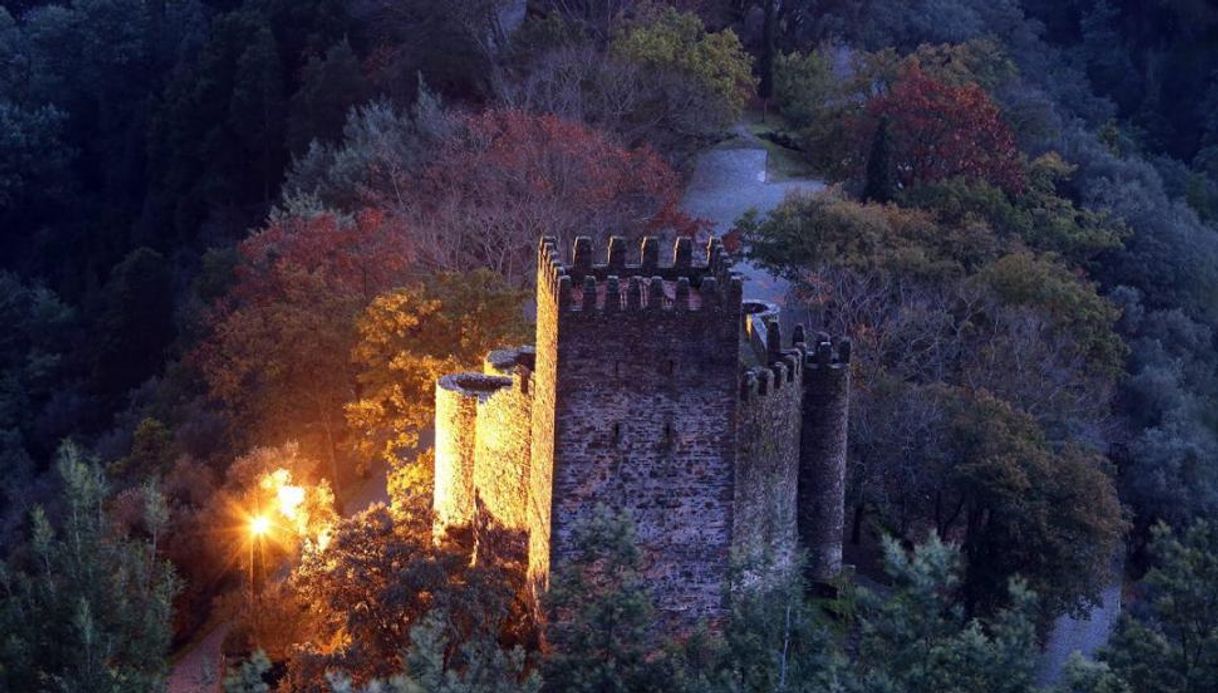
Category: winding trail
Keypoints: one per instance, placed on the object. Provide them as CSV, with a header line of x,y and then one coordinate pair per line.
x,y
729,181
1085,635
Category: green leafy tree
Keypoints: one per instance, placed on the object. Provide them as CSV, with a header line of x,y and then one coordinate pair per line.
x,y
34,363
879,184
804,87
1082,675
249,676
1171,645
482,665
601,615
1051,516
776,639
151,452
85,609
1041,217
918,638
945,318
666,40
329,87
135,324
1073,305
257,107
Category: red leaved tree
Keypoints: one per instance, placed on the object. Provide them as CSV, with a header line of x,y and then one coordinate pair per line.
x,y
507,177
279,352
940,131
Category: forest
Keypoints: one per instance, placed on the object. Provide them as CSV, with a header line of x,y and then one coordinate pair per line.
x,y
240,239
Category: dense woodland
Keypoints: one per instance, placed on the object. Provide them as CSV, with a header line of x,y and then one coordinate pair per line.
x,y
240,239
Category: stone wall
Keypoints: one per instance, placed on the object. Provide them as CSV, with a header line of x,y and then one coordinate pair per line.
x,y
767,465
504,437
645,395
541,456
458,398
654,390
822,466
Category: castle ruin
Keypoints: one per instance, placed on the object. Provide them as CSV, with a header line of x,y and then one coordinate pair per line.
x,y
657,390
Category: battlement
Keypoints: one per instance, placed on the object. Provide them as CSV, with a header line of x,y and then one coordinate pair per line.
x,y
657,390
784,372
821,351
618,286
777,366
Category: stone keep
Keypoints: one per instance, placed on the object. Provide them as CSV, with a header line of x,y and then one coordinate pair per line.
x,y
657,390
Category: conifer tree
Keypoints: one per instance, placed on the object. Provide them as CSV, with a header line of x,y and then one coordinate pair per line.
x,y
85,609
880,186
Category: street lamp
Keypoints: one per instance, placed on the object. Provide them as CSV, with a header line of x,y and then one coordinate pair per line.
x,y
259,526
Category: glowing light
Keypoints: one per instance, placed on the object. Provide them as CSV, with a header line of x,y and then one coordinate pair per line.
x,y
260,525
290,499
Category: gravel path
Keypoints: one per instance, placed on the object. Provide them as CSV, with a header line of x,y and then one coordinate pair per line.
x,y
1086,635
729,182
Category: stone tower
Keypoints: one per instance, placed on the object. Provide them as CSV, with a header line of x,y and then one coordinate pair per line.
x,y
656,390
636,398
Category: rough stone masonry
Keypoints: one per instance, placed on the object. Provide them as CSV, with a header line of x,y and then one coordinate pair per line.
x,y
656,390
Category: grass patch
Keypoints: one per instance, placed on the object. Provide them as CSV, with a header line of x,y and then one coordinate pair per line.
x,y
782,163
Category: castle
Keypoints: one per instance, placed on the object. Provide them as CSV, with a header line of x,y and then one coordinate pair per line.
x,y
657,390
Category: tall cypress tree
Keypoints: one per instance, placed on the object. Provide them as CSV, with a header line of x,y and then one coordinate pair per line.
x,y
879,186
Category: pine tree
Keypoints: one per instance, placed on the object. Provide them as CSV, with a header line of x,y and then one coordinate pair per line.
x,y
249,676
1172,646
917,638
86,610
602,618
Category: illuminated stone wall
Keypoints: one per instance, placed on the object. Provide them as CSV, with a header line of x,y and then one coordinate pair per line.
x,y
457,398
654,390
541,462
504,436
645,396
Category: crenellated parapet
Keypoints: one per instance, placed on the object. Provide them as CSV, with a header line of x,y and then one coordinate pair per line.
x,y
656,389
822,351
685,284
785,372
778,365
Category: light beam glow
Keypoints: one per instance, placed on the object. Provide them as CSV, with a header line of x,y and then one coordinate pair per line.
x,y
260,525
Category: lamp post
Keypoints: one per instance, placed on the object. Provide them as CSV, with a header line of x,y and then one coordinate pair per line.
x,y
259,526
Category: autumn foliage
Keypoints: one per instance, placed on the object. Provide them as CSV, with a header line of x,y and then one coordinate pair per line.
x,y
508,177
279,350
940,131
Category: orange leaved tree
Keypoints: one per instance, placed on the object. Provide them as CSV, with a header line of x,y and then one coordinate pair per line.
x,y
279,352
507,177
939,131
